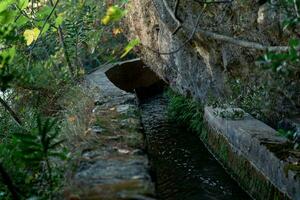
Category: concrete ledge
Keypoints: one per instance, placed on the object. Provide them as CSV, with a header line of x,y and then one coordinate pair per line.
x,y
110,161
253,154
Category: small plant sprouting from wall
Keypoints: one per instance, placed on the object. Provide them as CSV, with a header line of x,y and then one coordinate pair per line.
x,y
185,111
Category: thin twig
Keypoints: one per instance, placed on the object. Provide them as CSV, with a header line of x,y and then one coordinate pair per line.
x,y
220,37
176,7
39,35
242,43
46,21
10,111
296,8
63,43
172,14
185,43
175,14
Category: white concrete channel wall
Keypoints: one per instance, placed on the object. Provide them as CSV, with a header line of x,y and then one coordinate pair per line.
x,y
251,140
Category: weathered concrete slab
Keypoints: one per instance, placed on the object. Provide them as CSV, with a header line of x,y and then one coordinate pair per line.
x,y
112,163
264,164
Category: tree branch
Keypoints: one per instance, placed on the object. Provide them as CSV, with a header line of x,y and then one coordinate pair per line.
x,y
173,14
220,37
63,43
11,111
8,182
242,43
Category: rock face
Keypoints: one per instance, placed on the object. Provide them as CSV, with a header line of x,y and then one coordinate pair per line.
x,y
200,66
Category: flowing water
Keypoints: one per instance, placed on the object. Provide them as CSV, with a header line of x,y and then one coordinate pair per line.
x,y
183,168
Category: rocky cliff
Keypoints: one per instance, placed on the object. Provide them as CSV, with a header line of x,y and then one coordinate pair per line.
x,y
215,41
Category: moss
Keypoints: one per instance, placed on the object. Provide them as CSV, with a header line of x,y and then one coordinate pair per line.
x,y
284,151
126,189
223,152
240,168
292,167
281,151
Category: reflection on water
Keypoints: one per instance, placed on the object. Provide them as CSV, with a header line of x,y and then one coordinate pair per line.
x,y
184,169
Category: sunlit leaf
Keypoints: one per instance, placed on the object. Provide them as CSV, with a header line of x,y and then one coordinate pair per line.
x,y
23,4
31,35
105,20
130,46
59,20
113,13
117,31
46,28
4,4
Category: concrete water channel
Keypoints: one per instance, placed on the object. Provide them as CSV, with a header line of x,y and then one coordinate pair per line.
x,y
183,167
143,155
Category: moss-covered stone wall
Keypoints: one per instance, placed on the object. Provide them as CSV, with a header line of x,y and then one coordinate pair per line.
x,y
240,168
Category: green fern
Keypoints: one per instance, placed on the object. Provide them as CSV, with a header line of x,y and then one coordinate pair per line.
x,y
40,143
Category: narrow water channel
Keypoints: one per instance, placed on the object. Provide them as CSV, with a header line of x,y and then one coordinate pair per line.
x,y
183,167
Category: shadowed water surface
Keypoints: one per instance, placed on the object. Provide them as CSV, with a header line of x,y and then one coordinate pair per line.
x,y
184,169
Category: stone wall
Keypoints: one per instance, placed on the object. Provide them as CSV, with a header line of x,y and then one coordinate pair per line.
x,y
110,161
264,164
201,67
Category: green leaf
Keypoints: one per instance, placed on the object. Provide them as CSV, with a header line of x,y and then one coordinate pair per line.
x,y
44,12
130,46
34,157
294,43
124,1
29,143
60,155
59,20
7,56
53,146
31,150
23,136
23,4
22,20
7,17
46,28
113,13
4,4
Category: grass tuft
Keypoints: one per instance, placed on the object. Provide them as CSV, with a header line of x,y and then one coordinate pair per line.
x,y
185,111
